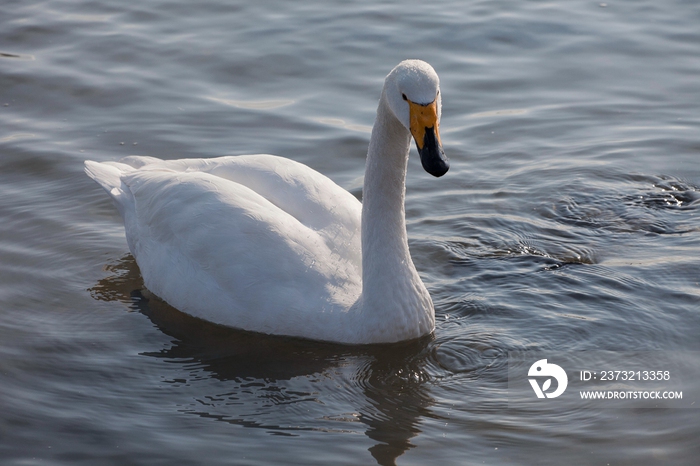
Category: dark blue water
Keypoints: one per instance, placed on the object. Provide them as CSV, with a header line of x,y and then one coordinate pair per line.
x,y
569,222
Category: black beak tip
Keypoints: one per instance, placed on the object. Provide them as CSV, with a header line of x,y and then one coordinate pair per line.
x,y
438,168
434,160
432,157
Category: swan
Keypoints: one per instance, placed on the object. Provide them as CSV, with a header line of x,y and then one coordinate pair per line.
x,y
266,244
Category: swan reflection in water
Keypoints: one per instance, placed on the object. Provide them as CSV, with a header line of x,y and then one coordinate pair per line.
x,y
283,385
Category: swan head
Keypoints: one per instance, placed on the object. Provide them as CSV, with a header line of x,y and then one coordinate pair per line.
x,y
412,91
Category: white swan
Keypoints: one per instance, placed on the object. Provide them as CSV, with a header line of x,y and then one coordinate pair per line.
x,y
263,243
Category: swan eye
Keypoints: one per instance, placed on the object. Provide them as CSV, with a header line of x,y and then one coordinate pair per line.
x,y
404,97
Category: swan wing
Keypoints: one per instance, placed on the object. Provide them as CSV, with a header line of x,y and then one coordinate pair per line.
x,y
216,240
307,195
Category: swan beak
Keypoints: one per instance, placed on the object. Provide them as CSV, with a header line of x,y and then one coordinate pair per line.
x,y
424,128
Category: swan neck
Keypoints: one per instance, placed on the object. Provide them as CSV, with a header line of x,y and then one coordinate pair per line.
x,y
391,288
385,175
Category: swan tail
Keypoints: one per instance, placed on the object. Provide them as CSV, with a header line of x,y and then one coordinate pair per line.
x,y
109,176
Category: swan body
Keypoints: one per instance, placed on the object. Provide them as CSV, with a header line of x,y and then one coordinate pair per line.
x,y
267,244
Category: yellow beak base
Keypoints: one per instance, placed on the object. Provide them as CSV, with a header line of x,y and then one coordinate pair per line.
x,y
422,118
424,128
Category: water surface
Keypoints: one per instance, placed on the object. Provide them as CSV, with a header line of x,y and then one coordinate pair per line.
x,y
568,222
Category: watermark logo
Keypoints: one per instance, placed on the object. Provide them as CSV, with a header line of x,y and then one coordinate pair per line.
x,y
601,379
543,369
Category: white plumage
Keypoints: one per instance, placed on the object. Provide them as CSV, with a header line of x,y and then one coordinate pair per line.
x,y
264,243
